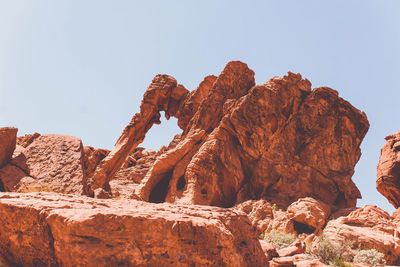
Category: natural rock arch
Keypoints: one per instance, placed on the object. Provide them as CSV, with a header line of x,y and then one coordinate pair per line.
x,y
278,141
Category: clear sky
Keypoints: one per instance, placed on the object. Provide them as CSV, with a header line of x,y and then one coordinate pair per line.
x,y
81,67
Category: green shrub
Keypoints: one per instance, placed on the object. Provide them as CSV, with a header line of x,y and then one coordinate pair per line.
x,y
280,239
370,256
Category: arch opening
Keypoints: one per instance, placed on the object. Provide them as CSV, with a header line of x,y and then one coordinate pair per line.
x,y
161,134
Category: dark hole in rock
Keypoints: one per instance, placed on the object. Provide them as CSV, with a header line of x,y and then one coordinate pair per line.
x,y
1,186
229,199
203,192
160,191
302,228
181,183
340,200
243,244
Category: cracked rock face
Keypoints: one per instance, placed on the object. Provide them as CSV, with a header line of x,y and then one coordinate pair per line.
x,y
49,229
49,163
279,141
388,170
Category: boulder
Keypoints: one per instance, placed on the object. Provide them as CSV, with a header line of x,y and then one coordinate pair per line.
x,y
279,141
12,177
297,247
49,229
8,139
305,216
260,213
366,228
269,250
308,215
388,170
50,163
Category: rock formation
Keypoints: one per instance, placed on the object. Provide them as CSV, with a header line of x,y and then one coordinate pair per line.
x,y
272,157
48,229
305,216
278,141
388,170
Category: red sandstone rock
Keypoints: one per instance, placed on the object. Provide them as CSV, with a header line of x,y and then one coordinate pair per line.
x,y
388,170
162,95
12,177
92,158
269,250
48,229
367,227
278,141
27,139
308,215
311,263
260,213
295,260
305,216
8,137
50,163
297,247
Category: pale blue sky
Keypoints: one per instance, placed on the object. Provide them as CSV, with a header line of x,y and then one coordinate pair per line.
x,y
81,67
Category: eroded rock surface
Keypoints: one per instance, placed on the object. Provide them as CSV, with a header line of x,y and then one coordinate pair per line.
x,y
50,163
27,139
388,170
49,229
279,141
305,216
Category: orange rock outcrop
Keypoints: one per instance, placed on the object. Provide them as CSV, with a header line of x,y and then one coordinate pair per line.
x,y
49,229
279,141
388,170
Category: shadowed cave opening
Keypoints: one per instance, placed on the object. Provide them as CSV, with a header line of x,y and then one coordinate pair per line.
x,y
302,228
159,192
181,183
1,186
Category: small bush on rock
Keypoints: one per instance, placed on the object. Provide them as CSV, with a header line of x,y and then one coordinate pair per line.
x,y
370,256
326,250
280,239
329,252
